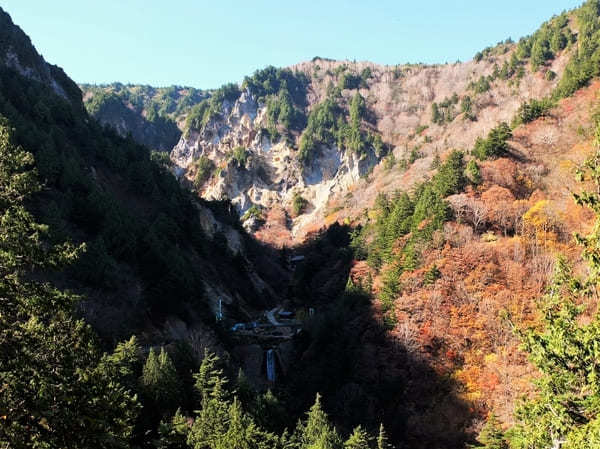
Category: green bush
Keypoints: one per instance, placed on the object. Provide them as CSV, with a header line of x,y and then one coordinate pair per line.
x,y
349,81
472,172
204,170
495,143
529,111
298,204
240,155
481,85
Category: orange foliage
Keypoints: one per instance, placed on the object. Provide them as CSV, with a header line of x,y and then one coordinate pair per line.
x,y
502,172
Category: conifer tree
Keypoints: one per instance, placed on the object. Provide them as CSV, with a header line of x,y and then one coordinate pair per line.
x,y
208,375
491,435
359,439
382,439
173,434
317,431
57,389
472,172
160,381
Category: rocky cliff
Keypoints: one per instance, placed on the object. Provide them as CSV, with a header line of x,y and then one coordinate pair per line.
x,y
337,183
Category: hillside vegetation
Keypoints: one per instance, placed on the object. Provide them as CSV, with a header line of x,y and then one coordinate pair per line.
x,y
443,277
152,116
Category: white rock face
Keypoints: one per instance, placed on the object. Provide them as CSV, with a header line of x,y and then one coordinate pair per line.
x,y
399,104
272,174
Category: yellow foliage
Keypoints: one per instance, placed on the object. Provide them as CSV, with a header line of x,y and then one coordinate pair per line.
x,y
489,237
490,358
537,215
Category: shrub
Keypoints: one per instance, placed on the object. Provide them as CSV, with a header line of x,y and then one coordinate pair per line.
x,y
481,85
240,155
204,169
472,172
350,81
529,111
298,204
495,143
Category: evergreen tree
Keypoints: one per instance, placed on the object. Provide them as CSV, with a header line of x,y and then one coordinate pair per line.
x,y
398,222
436,116
317,432
212,422
382,439
243,433
209,374
432,275
173,434
356,141
359,439
491,435
57,390
160,382
391,288
450,176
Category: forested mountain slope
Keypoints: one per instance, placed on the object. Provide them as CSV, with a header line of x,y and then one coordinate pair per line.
x,y
148,240
153,116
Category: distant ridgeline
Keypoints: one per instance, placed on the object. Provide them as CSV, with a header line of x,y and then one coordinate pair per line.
x,y
150,114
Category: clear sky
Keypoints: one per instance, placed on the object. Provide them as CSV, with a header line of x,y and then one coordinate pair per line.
x,y
208,43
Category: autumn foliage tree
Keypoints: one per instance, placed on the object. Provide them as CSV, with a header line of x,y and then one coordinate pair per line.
x,y
565,410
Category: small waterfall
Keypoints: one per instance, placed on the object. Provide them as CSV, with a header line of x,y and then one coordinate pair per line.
x,y
271,365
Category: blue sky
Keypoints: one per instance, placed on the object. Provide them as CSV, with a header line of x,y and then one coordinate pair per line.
x,y
207,43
